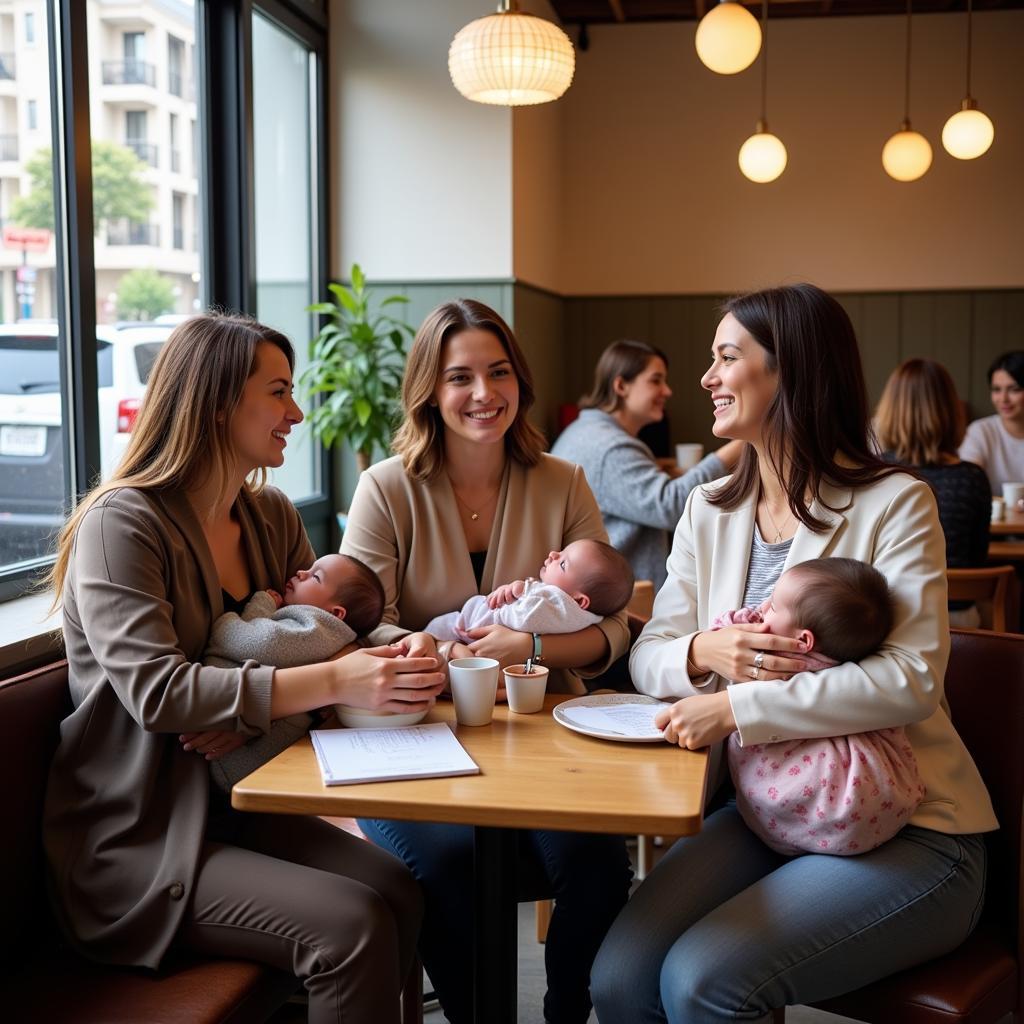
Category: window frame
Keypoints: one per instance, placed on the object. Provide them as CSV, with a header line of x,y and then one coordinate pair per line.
x,y
223,69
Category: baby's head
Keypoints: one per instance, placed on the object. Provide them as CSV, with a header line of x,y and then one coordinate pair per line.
x,y
594,574
343,586
839,607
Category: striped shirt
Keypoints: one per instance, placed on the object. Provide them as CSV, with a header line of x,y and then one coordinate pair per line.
x,y
766,563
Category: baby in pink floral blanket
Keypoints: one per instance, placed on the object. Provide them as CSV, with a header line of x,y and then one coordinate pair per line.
x,y
844,795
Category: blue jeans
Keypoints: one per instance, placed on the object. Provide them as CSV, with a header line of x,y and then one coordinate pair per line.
x,y
725,929
588,876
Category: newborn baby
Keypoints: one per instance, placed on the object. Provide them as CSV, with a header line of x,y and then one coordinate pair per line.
x,y
323,609
575,588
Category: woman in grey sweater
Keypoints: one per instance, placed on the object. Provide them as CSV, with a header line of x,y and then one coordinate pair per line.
x,y
639,501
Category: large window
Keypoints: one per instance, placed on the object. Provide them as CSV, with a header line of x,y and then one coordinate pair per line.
x,y
190,189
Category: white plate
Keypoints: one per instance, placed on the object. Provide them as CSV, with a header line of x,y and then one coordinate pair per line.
x,y
356,718
598,700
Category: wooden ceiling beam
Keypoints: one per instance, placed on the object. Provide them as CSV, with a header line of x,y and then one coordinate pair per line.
x,y
616,6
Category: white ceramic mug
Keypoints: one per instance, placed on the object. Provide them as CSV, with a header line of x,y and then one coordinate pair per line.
x,y
526,692
474,684
688,455
1013,495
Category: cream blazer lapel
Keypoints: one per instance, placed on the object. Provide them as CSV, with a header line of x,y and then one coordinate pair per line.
x,y
730,556
808,544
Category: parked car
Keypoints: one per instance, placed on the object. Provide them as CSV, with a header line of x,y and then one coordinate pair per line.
x,y
32,490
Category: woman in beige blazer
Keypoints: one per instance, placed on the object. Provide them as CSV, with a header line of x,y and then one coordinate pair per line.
x,y
725,928
471,502
143,858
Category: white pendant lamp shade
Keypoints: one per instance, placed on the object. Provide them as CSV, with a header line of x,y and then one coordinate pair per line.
x,y
511,59
907,155
968,134
728,38
763,156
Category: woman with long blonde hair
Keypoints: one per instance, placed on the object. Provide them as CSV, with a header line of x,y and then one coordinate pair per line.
x,y
142,858
470,502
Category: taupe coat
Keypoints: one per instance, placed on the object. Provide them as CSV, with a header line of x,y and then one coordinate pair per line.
x,y
411,535
126,806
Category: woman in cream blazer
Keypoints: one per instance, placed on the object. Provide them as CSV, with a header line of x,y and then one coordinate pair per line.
x,y
725,928
471,502
143,857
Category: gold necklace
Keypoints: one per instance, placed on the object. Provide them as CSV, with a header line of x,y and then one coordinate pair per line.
x,y
473,513
771,519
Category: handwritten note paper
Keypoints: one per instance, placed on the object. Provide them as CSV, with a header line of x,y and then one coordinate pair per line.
x,y
379,755
634,720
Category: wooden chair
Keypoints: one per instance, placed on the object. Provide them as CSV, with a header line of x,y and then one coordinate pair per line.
x,y
992,586
982,981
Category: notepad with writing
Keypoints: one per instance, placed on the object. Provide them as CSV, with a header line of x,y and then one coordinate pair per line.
x,y
382,755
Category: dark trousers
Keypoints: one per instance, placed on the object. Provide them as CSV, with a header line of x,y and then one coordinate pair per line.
x,y
588,876
305,897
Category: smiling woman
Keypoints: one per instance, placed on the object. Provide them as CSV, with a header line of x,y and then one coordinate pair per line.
x,y
469,502
996,443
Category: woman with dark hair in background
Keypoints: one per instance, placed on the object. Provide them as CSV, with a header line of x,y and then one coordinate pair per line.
x,y
640,503
920,423
996,443
470,501
726,928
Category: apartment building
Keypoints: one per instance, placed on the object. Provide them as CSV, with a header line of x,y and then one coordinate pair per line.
x,y
142,84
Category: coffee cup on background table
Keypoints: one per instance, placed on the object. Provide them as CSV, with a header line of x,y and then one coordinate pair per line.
x,y
474,685
688,455
526,692
998,509
1013,495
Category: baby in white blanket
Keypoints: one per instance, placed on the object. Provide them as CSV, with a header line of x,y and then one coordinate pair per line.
x,y
575,588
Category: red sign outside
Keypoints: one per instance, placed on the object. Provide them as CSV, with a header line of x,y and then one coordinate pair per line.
x,y
29,239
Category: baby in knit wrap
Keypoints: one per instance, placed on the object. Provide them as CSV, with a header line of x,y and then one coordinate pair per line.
x,y
575,588
844,795
323,609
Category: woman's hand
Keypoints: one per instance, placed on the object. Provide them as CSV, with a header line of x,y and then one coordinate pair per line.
x,y
697,721
745,652
383,679
506,646
212,745
417,645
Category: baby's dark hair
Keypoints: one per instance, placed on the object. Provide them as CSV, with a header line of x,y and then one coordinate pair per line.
x,y
363,597
609,585
846,604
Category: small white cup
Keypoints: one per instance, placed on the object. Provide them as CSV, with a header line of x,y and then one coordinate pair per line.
x,y
688,455
474,684
998,509
526,692
1013,495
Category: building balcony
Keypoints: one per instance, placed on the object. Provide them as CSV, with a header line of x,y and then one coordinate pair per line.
x,y
180,85
8,67
8,147
147,152
126,232
129,72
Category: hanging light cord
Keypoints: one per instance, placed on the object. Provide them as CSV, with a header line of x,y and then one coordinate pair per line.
x,y
969,5
906,76
764,62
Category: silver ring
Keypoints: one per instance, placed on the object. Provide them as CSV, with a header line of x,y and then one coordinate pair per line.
x,y
755,672
759,659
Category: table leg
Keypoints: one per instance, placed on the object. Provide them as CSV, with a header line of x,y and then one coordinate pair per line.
x,y
495,967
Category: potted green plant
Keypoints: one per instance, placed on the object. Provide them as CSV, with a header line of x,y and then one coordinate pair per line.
x,y
356,362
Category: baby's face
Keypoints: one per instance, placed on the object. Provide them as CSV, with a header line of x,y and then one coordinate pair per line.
x,y
566,569
318,585
778,609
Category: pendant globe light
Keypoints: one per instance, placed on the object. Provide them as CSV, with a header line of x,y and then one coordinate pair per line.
x,y
728,38
763,156
511,59
968,133
907,155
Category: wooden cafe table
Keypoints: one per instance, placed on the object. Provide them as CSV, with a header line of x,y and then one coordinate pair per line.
x,y
533,774
1005,544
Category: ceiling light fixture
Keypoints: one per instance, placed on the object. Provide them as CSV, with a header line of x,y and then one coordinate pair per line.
x,y
968,133
511,59
763,156
728,38
907,155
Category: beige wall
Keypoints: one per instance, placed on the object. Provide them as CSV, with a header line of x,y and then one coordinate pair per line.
x,y
421,179
653,201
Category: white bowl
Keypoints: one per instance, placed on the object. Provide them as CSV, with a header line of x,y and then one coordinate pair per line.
x,y
364,718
